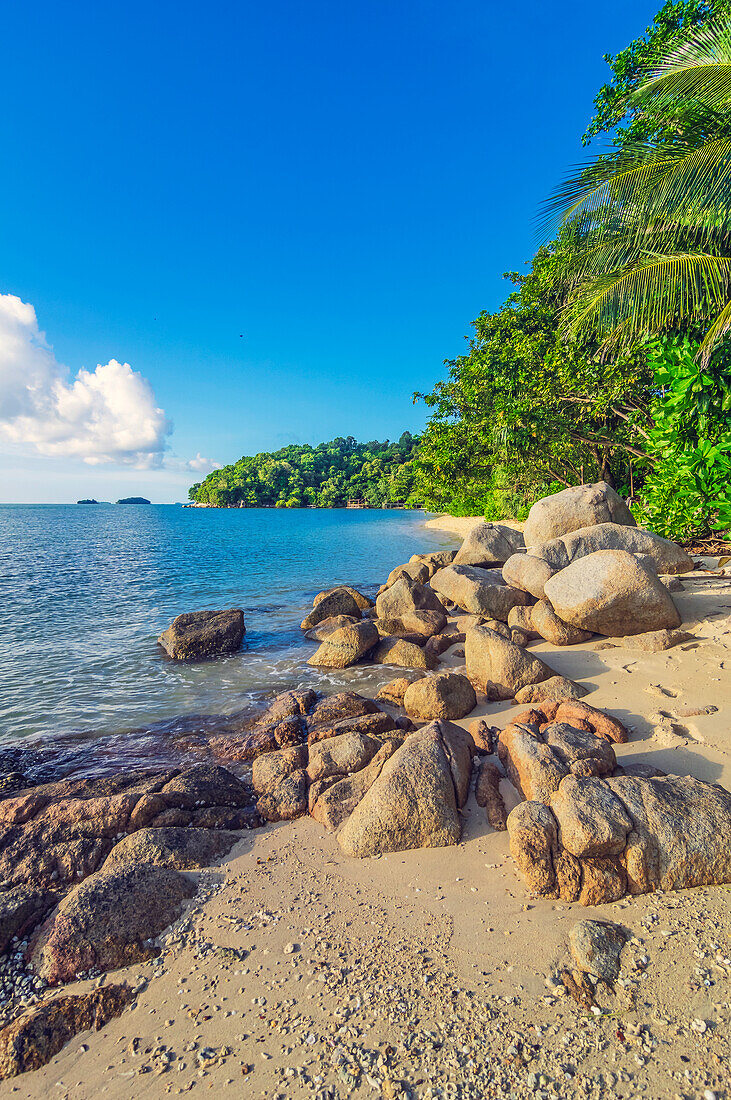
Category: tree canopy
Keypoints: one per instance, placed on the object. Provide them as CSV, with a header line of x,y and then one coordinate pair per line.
x,y
326,476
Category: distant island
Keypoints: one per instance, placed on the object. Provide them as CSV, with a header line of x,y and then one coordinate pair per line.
x,y
332,475
134,500
87,501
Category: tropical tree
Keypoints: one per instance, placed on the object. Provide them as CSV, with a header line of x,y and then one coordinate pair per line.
x,y
645,246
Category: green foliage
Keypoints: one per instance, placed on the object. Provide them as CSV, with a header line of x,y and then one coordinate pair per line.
x,y
615,114
524,413
649,248
687,489
326,476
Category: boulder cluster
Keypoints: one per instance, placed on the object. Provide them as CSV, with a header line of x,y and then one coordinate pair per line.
x,y
92,870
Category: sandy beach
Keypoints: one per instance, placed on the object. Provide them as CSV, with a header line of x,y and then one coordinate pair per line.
x,y
299,972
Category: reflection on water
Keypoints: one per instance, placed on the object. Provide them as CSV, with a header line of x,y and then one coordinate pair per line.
x,y
85,591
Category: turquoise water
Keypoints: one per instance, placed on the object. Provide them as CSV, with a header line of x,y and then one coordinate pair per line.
x,y
85,591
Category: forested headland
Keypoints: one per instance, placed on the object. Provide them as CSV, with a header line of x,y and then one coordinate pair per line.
x,y
326,476
611,357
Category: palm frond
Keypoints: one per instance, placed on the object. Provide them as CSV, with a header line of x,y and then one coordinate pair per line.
x,y
652,296
698,69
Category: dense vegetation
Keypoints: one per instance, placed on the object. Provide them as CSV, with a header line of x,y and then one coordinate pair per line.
x,y
611,357
326,476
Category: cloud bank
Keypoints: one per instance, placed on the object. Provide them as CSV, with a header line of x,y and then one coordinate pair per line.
x,y
108,415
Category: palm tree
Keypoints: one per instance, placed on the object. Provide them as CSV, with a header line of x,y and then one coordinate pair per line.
x,y
645,241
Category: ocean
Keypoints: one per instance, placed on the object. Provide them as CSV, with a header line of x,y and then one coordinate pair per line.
x,y
86,589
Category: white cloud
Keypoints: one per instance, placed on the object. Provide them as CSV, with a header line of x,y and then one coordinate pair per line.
x,y
106,415
201,465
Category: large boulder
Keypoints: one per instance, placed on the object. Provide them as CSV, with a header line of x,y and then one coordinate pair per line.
x,y
547,624
536,760
489,544
327,627
110,920
337,708
415,801
21,908
333,799
200,635
479,591
579,506
337,601
393,691
171,847
345,646
417,571
406,595
31,1040
436,559
349,752
527,573
498,666
447,695
402,654
611,592
603,838
667,557
580,715
363,602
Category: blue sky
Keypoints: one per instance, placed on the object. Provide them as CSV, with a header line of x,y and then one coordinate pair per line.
x,y
282,215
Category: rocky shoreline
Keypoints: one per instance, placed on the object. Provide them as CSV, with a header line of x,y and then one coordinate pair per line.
x,y
95,870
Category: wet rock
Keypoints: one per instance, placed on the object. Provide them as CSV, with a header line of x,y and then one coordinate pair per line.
x,y
406,595
288,704
555,687
489,544
57,833
414,803
495,661
337,601
345,646
327,627
21,909
363,602
372,725
109,921
602,838
596,946
574,508
479,591
331,803
537,760
200,635
338,707
547,624
178,848
611,593
34,1038
487,794
424,623
393,692
402,653
228,749
447,695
